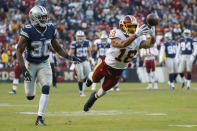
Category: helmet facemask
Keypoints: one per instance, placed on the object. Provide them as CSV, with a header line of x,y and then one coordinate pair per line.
x,y
38,16
80,36
168,37
187,33
128,25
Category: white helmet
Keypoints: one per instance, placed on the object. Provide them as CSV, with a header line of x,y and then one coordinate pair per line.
x,y
187,33
168,36
80,36
38,16
104,38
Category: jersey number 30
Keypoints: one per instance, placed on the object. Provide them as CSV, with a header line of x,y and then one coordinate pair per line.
x,y
128,57
41,48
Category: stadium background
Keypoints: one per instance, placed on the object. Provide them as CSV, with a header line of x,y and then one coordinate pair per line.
x,y
92,16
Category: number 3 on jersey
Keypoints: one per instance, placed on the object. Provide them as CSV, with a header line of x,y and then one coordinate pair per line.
x,y
40,48
129,56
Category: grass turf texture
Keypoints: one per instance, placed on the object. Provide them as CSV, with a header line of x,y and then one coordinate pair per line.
x,y
133,108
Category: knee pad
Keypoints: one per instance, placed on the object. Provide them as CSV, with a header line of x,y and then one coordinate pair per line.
x,y
45,89
30,97
189,75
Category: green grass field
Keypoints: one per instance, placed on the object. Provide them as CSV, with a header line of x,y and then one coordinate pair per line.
x,y
133,108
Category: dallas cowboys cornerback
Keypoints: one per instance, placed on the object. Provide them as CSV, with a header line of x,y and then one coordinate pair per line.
x,y
36,38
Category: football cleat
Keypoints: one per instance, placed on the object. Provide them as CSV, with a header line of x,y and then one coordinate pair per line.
x,y
82,94
12,92
40,121
88,82
183,84
90,102
188,88
172,88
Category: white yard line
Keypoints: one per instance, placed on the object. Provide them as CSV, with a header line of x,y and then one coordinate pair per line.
x,y
188,126
10,105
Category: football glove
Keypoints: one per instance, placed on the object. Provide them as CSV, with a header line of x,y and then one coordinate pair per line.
x,y
75,59
143,30
26,74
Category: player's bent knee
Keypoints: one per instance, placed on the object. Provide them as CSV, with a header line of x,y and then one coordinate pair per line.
x,y
45,89
30,97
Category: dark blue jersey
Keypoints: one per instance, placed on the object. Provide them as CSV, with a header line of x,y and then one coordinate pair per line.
x,y
81,49
186,46
37,50
170,49
102,49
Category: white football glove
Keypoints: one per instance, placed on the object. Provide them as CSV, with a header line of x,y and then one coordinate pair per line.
x,y
143,30
152,31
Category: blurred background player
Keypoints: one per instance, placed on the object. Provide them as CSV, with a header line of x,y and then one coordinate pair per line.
x,y
81,49
36,38
187,50
149,55
101,46
125,42
17,73
52,60
169,47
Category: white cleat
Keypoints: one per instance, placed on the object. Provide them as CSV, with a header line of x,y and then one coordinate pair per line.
x,y
82,94
117,89
149,88
155,87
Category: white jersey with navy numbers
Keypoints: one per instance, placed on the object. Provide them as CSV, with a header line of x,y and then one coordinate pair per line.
x,y
102,48
37,50
186,46
119,58
81,49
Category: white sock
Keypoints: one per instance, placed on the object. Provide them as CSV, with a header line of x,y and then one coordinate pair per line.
x,y
90,76
172,84
15,83
94,86
149,77
188,83
43,104
100,93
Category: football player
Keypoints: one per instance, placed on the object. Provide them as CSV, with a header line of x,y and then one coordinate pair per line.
x,y
101,46
17,73
149,56
35,38
125,42
169,47
187,50
81,49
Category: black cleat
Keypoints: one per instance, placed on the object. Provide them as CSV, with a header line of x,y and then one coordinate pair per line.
x,y
183,85
40,121
90,102
88,82
188,88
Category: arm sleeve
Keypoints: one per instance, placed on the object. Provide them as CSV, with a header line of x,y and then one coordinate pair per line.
x,y
178,51
24,33
72,45
161,53
155,51
195,48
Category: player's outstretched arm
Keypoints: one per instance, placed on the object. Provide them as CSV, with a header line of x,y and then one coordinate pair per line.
x,y
19,54
62,52
149,43
118,43
20,49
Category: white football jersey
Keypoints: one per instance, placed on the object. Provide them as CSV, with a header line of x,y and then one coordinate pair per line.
x,y
149,53
119,58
